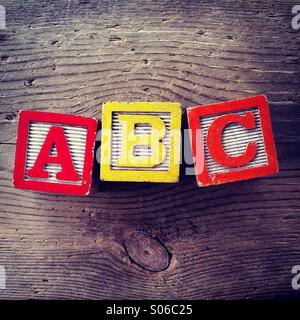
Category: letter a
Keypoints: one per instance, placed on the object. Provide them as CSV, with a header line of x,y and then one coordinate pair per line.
x,y
56,136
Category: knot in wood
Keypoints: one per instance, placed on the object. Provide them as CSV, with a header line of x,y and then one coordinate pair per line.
x,y
147,252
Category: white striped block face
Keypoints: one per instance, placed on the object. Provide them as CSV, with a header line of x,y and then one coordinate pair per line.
x,y
140,150
232,141
54,152
76,138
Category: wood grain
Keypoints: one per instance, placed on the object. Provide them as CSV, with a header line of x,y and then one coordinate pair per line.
x,y
232,241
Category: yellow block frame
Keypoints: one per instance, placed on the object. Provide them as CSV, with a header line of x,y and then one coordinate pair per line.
x,y
170,176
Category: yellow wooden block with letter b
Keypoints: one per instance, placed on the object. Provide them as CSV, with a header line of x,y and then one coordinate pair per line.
x,y
140,141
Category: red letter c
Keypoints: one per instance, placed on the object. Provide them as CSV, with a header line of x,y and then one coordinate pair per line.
x,y
214,140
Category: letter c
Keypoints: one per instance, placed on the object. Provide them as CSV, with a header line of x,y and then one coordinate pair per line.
x,y
214,140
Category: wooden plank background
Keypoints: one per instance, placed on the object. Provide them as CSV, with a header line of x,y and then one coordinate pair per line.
x,y
238,240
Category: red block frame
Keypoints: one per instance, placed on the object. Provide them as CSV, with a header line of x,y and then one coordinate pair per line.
x,y
27,116
202,175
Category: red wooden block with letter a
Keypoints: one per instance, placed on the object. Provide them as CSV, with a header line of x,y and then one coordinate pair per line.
x,y
54,152
232,141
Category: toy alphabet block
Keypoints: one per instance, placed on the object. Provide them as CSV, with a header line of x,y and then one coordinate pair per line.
x,y
232,141
140,141
54,152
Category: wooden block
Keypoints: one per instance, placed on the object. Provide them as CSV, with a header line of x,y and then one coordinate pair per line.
x,y
140,141
54,152
232,141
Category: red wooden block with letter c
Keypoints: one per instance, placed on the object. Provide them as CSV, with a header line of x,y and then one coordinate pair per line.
x,y
232,141
54,152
